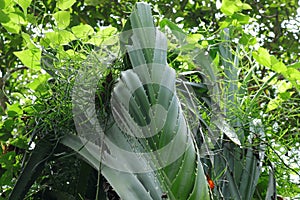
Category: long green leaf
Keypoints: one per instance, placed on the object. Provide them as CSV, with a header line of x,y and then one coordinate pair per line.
x,y
127,185
33,168
271,191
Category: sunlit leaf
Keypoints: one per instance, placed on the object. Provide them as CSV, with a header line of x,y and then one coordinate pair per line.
x,y
82,31
30,57
16,20
24,4
295,65
283,86
229,7
273,104
293,74
279,67
12,27
263,57
62,19
65,4
38,84
58,38
194,38
14,110
104,36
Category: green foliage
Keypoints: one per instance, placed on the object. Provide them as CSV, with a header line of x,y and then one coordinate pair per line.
x,y
256,69
230,7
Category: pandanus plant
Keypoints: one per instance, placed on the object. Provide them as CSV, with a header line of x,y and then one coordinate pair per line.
x,y
156,155
146,150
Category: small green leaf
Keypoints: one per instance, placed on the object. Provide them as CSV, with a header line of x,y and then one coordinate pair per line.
x,y
30,57
24,4
229,7
273,104
74,55
178,32
226,23
20,141
108,31
295,65
262,57
17,18
14,23
204,43
241,18
283,86
8,125
104,36
193,38
38,84
286,95
246,6
3,17
65,4
62,19
293,74
279,67
216,60
12,28
31,18
28,41
82,31
247,39
58,38
17,95
14,110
